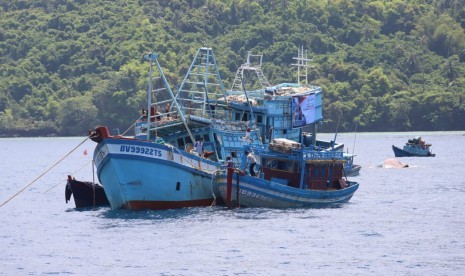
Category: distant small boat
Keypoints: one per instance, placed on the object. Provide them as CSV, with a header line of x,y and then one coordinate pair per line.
x,y
85,193
351,169
414,147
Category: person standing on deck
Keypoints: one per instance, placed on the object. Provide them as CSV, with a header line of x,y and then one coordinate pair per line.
x,y
199,146
247,138
252,162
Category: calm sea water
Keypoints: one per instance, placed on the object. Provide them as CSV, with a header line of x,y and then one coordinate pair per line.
x,y
400,222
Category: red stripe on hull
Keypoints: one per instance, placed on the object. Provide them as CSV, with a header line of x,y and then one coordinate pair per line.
x,y
164,205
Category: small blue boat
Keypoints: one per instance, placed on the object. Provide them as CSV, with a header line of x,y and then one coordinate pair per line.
x,y
414,147
288,177
351,169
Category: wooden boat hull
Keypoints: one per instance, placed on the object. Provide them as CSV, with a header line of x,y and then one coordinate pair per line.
x,y
411,152
144,175
258,192
86,194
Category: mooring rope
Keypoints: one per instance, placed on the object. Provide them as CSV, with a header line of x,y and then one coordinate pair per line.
x,y
37,178
87,164
214,175
93,182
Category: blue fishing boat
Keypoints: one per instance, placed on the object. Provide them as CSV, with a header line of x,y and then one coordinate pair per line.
x,y
156,168
295,169
268,105
351,169
414,147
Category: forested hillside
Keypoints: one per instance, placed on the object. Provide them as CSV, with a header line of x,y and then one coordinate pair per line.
x,y
68,65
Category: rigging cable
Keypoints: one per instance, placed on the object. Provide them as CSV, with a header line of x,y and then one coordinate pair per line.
x,y
37,178
70,174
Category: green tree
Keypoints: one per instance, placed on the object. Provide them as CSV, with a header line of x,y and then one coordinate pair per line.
x,y
77,115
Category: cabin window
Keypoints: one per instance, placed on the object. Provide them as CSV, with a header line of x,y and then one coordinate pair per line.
x,y
188,140
180,143
284,131
233,154
281,165
286,166
244,117
206,138
259,119
272,164
237,116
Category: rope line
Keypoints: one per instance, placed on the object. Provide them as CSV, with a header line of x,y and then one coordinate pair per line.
x,y
37,178
70,174
214,175
93,181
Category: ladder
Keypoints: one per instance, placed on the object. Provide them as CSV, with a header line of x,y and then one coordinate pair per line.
x,y
202,86
249,66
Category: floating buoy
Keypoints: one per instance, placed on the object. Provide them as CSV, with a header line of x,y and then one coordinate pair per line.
x,y
394,163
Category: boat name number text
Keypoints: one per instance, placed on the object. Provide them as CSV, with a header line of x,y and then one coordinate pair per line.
x,y
255,195
100,155
250,194
141,150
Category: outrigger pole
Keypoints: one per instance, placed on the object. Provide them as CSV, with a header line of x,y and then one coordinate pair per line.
x,y
152,57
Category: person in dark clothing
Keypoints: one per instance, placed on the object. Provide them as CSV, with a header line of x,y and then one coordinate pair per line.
x,y
229,163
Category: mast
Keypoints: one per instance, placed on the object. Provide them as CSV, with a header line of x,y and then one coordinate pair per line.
x,y
302,61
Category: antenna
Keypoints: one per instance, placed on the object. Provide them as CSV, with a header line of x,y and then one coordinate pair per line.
x,y
302,61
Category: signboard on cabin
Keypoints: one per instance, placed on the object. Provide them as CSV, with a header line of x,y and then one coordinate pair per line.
x,y
303,110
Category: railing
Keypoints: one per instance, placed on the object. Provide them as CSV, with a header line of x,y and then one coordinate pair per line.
x,y
307,153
